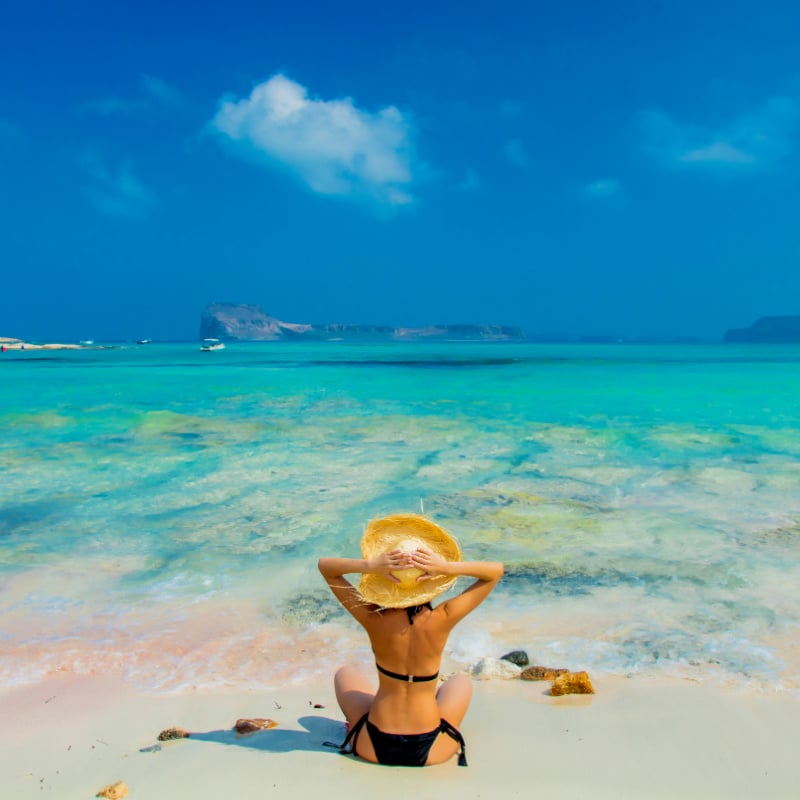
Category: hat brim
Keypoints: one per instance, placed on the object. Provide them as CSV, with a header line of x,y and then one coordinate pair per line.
x,y
380,591
407,532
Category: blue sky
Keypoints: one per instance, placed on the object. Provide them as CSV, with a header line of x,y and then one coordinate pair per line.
x,y
583,167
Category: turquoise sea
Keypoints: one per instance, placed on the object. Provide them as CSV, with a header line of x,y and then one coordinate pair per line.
x,y
162,509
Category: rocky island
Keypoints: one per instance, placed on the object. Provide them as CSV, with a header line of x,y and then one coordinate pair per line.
x,y
767,330
241,322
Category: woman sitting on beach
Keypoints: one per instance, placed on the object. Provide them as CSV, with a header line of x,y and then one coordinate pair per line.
x,y
408,560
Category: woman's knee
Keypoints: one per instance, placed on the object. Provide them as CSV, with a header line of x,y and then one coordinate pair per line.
x,y
349,676
351,679
453,698
457,685
342,673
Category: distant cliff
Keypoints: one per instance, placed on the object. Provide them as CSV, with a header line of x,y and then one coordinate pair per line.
x,y
232,321
767,330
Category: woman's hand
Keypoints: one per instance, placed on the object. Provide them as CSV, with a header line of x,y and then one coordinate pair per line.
x,y
431,564
386,563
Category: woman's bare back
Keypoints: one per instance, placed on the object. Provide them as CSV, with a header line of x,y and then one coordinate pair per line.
x,y
407,649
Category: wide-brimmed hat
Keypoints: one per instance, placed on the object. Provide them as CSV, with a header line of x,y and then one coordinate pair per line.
x,y
405,532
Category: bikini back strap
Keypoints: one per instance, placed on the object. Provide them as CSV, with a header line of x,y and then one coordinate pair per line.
x,y
350,739
407,678
455,733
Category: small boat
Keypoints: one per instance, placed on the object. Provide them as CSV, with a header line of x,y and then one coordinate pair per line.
x,y
211,344
143,341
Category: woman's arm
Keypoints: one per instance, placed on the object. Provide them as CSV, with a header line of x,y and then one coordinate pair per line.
x,y
337,567
486,573
434,565
334,570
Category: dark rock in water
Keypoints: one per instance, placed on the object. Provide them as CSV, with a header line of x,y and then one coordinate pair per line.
x,y
238,321
311,607
173,733
244,726
518,657
572,683
541,673
767,330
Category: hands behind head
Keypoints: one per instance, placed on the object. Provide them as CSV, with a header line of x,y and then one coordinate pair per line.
x,y
431,564
385,563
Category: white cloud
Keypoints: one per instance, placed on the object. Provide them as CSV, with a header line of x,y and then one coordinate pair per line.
x,y
116,193
721,152
335,147
516,153
754,140
607,187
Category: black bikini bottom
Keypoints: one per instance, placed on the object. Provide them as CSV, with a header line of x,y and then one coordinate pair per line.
x,y
403,749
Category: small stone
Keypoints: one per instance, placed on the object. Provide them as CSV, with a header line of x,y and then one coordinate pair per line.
x,y
154,748
572,683
518,657
244,726
114,791
173,733
486,669
541,673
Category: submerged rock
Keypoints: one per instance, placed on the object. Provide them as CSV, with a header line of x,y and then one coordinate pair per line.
x,y
311,607
486,669
114,791
536,673
244,726
572,683
173,733
518,657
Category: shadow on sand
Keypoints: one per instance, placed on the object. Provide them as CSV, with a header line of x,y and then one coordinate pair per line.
x,y
279,740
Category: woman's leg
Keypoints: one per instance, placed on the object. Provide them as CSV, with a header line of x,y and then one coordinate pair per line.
x,y
453,698
355,694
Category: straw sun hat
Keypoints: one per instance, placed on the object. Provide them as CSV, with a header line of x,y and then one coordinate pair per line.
x,y
405,532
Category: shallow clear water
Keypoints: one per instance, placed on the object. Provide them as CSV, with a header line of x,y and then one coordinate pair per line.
x,y
162,509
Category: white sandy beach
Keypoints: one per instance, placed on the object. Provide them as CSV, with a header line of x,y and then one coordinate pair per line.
x,y
69,737
9,343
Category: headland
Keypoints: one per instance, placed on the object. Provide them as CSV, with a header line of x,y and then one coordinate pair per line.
x,y
247,322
